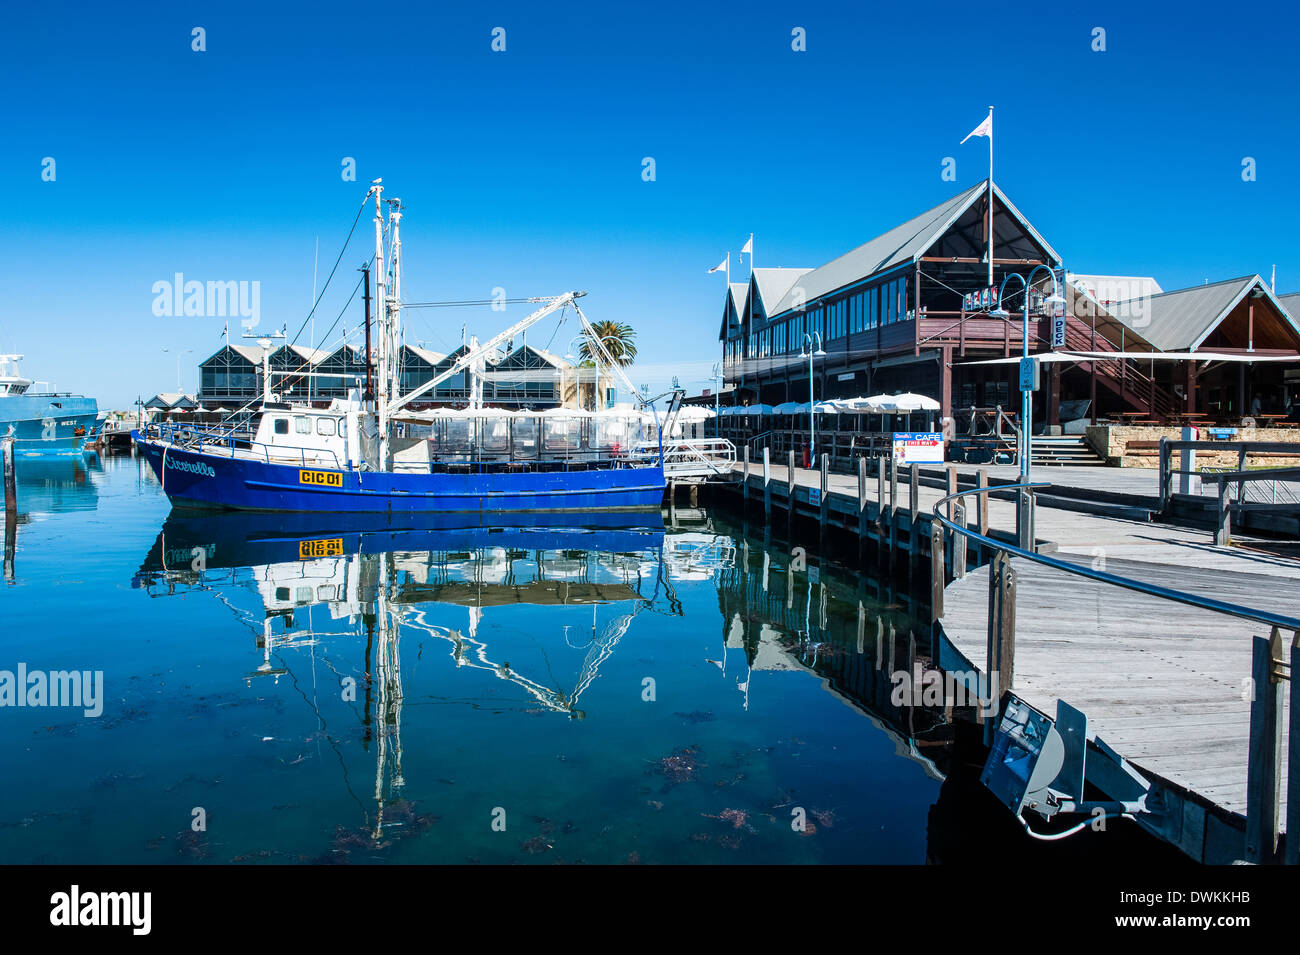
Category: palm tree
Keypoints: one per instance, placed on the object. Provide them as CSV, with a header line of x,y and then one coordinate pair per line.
x,y
618,338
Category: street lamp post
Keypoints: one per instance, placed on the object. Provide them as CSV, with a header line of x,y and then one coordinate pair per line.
x,y
716,378
811,339
179,389
1028,383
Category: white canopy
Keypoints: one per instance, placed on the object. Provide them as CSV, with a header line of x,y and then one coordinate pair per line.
x,y
790,407
694,413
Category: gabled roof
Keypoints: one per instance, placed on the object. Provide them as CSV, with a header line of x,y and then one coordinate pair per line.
x,y
901,244
737,295
309,356
170,399
424,354
1291,302
1184,318
772,286
519,358
248,352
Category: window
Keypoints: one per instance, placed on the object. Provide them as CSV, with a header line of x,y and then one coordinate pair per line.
x,y
326,426
525,437
281,425
302,425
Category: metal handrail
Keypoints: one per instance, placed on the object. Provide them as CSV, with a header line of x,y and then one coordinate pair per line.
x,y
1192,600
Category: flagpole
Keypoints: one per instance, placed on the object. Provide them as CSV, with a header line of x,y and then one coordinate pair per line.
x,y
991,197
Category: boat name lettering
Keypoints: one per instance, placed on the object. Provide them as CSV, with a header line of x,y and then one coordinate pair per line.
x,y
321,478
193,467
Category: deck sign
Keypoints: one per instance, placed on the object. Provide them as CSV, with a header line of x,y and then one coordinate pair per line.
x,y
321,478
918,447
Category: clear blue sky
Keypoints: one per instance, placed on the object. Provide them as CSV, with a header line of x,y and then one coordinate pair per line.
x,y
522,169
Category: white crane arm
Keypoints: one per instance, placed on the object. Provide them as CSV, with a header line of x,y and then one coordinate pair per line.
x,y
467,359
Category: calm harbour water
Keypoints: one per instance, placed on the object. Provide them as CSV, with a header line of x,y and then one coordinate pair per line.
x,y
332,692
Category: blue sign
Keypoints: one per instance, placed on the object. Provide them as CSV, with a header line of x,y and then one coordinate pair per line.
x,y
1029,373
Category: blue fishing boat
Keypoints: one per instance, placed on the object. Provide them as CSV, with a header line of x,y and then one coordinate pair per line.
x,y
372,452
42,422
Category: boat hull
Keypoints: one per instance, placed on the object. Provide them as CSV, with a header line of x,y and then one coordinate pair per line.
x,y
197,480
47,425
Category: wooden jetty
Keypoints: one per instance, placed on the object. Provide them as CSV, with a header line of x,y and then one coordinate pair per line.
x,y
1168,687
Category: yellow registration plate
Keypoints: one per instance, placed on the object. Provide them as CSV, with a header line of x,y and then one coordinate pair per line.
x,y
308,550
321,478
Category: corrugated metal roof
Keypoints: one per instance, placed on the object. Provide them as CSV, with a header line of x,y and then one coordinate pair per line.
x,y
1291,302
432,357
739,296
1183,318
901,244
250,352
773,284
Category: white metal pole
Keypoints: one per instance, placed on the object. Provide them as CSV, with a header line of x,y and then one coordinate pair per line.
x,y
382,340
991,197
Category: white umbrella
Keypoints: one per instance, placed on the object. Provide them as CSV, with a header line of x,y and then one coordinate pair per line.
x,y
695,413
909,402
827,407
790,407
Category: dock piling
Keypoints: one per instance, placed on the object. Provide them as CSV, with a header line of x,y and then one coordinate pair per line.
x,y
11,479
936,573
1293,764
767,486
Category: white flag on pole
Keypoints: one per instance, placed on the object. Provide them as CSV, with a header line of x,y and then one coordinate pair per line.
x,y
983,129
719,267
749,247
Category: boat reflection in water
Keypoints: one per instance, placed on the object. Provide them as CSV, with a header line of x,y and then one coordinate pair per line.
x,y
380,577
771,679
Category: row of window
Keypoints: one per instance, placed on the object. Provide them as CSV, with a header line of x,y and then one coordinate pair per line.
x,y
327,427
860,311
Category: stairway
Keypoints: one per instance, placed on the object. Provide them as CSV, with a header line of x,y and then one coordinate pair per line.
x,y
1068,450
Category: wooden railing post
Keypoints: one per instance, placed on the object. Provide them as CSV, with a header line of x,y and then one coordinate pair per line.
x,y
744,486
982,501
880,491
824,504
767,484
1002,623
936,573
1293,763
1223,522
959,541
1263,779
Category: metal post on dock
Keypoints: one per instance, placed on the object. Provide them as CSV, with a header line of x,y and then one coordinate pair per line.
x,y
767,485
1264,760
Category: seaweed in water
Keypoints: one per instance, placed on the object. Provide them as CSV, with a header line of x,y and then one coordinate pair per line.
x,y
681,766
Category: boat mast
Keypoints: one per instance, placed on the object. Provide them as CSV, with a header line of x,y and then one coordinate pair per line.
x,y
381,309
